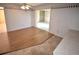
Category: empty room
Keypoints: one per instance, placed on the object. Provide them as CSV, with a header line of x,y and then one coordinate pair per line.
x,y
39,29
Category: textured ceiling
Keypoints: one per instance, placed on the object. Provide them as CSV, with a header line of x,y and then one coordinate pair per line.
x,y
33,4
56,5
17,5
38,5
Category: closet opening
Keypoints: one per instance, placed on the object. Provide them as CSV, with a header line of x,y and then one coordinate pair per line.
x,y
43,19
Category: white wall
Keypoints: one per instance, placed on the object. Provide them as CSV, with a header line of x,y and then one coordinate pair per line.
x,y
64,19
33,21
17,19
47,15
37,16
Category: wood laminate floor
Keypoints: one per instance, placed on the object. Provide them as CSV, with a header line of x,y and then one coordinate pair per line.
x,y
28,37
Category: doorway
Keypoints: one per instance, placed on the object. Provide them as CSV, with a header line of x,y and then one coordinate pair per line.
x,y
42,19
4,42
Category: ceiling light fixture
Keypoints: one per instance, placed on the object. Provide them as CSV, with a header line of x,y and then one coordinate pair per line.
x,y
25,6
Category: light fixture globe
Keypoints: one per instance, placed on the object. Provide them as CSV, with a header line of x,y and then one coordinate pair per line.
x,y
25,6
